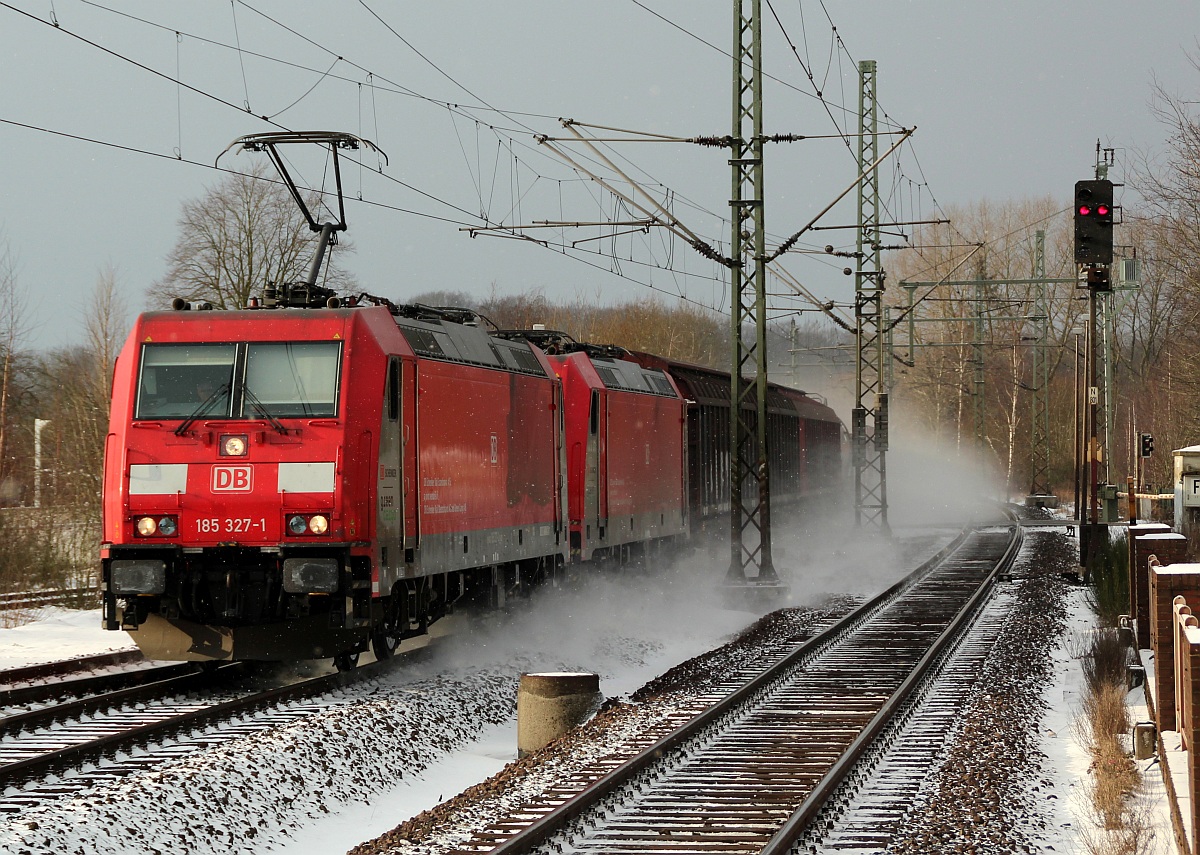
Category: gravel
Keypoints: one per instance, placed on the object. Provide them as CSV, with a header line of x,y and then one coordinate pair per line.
x,y
620,729
235,797
268,786
990,794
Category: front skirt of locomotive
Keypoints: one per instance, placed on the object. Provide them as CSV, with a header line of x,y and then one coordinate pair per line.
x,y
228,603
176,639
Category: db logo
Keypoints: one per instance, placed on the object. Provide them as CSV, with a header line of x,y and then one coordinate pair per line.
x,y
232,479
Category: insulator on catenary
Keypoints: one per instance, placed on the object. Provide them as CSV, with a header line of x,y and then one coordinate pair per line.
x,y
718,142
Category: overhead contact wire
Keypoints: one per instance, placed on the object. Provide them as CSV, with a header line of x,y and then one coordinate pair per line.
x,y
135,63
217,99
174,158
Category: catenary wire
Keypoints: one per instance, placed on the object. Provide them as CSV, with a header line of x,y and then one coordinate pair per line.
x,y
567,251
198,91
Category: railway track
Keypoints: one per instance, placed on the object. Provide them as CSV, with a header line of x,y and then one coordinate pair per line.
x,y
51,753
757,769
51,597
865,813
22,688
66,667
39,695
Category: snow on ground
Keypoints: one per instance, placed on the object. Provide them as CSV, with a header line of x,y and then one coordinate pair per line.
x,y
415,740
58,634
1068,762
359,821
1067,757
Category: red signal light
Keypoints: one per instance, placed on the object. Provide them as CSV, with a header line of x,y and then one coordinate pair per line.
x,y
1094,222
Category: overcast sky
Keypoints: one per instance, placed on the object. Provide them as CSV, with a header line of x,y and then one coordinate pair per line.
x,y
1008,99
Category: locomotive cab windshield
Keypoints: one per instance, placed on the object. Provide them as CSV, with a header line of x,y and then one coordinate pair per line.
x,y
266,379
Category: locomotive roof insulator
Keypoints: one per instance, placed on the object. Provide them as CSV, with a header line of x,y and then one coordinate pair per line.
x,y
300,295
181,305
557,342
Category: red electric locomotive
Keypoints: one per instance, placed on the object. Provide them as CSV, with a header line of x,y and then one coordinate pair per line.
x,y
286,484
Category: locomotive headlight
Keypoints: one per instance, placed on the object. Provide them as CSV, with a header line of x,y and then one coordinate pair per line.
x,y
137,576
162,527
234,445
318,524
310,575
297,524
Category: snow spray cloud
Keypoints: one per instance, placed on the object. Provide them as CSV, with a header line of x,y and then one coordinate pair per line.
x,y
931,495
931,484
627,626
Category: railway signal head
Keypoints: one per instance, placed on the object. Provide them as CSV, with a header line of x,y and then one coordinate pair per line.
x,y
1093,222
1147,444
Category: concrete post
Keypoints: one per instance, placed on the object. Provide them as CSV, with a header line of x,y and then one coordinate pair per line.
x,y
1145,740
549,705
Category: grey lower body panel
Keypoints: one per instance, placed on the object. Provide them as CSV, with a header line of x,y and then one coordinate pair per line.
x,y
637,528
444,553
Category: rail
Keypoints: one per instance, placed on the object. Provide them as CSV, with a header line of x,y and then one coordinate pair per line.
x,y
14,600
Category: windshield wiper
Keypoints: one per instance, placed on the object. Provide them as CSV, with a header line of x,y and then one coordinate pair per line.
x,y
202,410
263,411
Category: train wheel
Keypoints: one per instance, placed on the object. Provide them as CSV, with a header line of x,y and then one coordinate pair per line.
x,y
346,661
384,642
386,637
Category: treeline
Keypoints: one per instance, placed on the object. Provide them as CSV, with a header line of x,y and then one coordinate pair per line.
x,y
682,330
1155,344
53,423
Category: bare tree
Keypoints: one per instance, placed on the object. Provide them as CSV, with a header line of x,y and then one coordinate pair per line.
x,y
14,328
242,234
980,302
1171,188
1163,331
72,388
105,328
